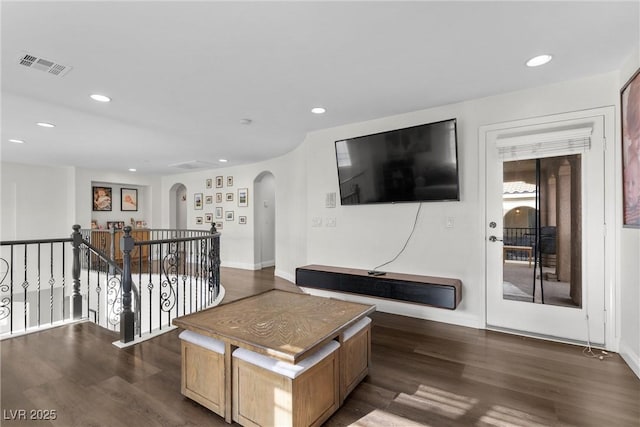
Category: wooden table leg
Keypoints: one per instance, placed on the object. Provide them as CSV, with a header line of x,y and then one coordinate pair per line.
x,y
228,349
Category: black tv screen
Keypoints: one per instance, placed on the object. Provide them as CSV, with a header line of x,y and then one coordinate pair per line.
x,y
414,164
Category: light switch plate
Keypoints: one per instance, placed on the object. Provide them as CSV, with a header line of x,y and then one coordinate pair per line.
x,y
449,222
330,200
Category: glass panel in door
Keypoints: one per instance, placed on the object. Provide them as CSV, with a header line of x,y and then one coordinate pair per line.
x,y
542,232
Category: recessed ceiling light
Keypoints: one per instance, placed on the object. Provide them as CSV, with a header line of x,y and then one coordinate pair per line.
x,y
223,160
46,125
100,98
245,121
536,61
318,110
17,141
132,169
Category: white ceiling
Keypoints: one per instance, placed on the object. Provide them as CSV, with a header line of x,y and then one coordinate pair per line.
x,y
182,75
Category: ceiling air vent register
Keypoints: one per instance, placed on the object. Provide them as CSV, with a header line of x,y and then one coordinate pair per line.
x,y
192,164
42,64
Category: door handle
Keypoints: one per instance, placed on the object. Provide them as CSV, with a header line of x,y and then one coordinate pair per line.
x,y
494,239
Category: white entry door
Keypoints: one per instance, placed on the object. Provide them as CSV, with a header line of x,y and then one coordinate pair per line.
x,y
545,228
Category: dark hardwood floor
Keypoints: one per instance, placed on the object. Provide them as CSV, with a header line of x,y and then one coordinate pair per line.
x,y
423,373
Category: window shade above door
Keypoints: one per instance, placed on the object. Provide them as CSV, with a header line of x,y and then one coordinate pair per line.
x,y
544,144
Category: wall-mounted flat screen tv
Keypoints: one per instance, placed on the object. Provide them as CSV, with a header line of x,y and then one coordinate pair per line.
x,y
414,164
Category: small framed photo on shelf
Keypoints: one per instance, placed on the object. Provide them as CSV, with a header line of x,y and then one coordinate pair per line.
x,y
229,197
208,217
219,182
209,183
229,181
129,199
197,201
115,225
140,224
229,216
94,224
199,220
243,197
101,198
218,212
242,219
208,200
218,197
219,225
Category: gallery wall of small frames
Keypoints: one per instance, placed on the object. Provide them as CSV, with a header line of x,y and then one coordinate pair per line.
x,y
218,200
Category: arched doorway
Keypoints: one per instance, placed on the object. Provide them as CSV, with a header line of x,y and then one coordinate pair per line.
x,y
520,217
264,188
178,206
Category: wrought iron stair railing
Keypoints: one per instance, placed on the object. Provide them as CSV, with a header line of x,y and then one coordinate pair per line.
x,y
33,283
178,269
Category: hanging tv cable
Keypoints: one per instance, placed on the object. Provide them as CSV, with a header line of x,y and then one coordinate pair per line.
x,y
375,271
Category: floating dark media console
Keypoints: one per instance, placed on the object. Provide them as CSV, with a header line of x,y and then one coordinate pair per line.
x,y
434,291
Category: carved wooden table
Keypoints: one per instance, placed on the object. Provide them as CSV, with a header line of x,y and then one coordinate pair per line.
x,y
283,325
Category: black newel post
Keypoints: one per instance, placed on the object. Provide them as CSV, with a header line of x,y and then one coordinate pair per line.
x,y
76,297
127,317
214,263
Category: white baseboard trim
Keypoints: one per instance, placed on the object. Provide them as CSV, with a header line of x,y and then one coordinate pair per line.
x,y
631,358
247,266
285,275
144,338
240,265
42,328
599,346
403,309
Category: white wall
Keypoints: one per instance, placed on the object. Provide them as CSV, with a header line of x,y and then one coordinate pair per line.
x,y
264,203
629,254
366,236
181,207
149,199
237,240
45,201
115,214
39,202
36,202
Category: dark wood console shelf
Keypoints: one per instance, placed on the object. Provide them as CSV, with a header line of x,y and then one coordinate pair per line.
x,y
434,291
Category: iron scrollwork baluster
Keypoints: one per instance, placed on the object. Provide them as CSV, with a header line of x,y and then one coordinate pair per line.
x,y
169,278
5,301
114,299
25,286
